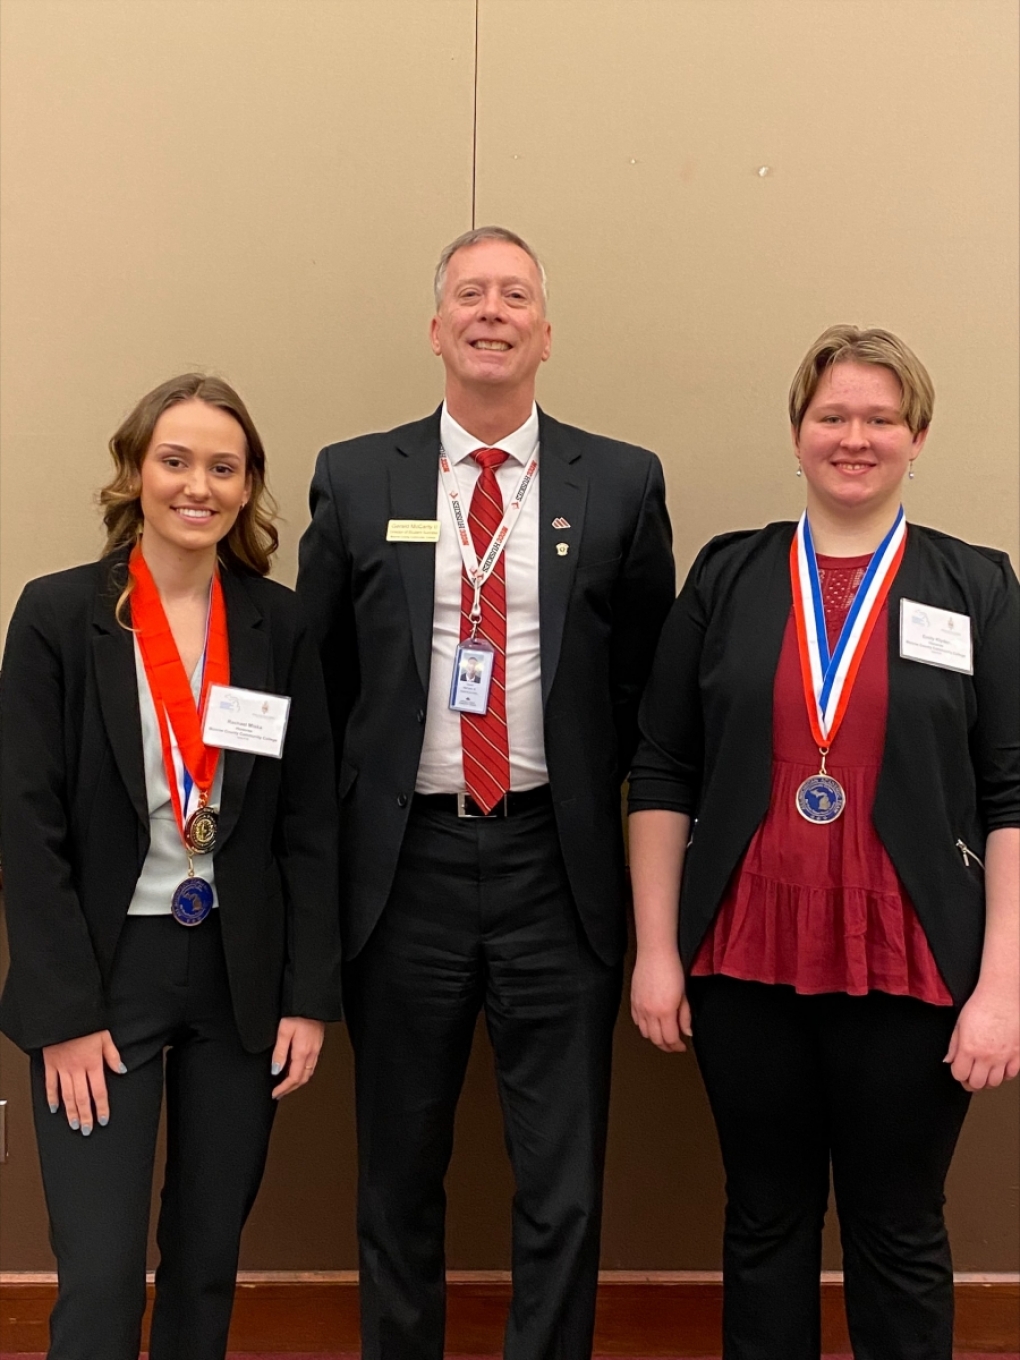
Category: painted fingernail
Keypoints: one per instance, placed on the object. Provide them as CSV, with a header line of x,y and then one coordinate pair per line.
x,y
86,1129
75,1125
121,1068
104,1119
54,1109
276,1069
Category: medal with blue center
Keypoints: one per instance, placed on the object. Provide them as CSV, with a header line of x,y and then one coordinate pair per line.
x,y
192,900
193,897
828,678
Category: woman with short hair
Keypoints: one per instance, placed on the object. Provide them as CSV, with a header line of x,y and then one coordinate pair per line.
x,y
824,848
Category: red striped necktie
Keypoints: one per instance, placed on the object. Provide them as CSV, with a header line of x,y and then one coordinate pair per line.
x,y
484,736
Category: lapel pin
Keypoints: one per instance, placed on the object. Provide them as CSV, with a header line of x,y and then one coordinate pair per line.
x,y
560,523
562,549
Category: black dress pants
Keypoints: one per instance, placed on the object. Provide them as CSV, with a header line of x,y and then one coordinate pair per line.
x,y
168,990
480,917
793,1082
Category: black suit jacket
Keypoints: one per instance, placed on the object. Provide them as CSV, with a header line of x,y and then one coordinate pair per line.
x,y
951,764
601,607
74,817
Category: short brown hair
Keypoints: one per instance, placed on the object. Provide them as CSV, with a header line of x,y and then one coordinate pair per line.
x,y
472,238
253,538
848,344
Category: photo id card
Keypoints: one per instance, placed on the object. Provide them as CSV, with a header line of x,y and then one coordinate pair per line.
x,y
472,676
245,720
936,637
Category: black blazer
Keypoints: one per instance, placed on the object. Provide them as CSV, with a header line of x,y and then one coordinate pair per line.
x,y
74,817
601,607
951,764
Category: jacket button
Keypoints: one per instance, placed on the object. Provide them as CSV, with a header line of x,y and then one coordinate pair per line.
x,y
420,715
401,800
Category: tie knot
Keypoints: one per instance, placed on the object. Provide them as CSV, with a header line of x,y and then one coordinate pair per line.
x,y
490,458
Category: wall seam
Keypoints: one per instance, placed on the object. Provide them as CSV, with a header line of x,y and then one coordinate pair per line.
x,y
474,128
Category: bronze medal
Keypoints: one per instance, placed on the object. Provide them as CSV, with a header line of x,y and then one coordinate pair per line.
x,y
200,830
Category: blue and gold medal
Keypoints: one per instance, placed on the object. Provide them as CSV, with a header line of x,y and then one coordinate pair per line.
x,y
192,900
821,798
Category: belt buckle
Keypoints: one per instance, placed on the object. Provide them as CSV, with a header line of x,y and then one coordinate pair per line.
x,y
479,816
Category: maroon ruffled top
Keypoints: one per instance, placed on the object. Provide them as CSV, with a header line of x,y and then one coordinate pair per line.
x,y
821,907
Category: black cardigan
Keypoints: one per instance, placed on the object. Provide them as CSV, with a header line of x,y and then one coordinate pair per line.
x,y
74,816
951,763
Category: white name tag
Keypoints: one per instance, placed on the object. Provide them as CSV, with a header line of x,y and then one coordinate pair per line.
x,y
412,531
244,720
938,637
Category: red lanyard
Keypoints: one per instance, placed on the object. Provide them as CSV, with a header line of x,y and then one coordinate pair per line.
x,y
169,685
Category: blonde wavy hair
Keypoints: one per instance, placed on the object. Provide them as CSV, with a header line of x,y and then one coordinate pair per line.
x,y
253,537
850,344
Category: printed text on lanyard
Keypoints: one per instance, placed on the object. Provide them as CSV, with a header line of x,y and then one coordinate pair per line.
x,y
479,572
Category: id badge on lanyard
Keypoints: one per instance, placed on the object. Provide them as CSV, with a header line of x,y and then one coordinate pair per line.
x,y
475,658
472,676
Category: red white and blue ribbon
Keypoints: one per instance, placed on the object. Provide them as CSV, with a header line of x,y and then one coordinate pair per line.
x,y
829,678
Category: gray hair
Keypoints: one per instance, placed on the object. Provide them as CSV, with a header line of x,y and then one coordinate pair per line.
x,y
472,238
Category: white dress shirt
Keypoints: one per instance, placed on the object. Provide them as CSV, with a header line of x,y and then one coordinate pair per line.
x,y
441,769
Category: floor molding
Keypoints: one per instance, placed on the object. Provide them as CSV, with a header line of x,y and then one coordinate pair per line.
x,y
647,1313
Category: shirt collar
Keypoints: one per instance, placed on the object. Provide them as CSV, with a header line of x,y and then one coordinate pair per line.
x,y
459,444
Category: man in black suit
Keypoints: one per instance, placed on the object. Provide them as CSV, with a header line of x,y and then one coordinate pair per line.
x,y
482,857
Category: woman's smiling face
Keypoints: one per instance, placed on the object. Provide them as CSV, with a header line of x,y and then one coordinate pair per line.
x,y
854,444
193,479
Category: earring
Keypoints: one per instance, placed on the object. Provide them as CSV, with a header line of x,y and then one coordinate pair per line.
x,y
800,471
910,472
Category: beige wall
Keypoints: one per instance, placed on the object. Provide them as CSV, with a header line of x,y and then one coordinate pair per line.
x,y
260,187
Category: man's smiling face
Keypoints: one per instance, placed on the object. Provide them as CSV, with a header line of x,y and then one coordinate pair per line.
x,y
491,330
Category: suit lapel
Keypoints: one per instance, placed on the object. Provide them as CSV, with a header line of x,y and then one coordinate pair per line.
x,y
249,669
414,480
562,493
117,683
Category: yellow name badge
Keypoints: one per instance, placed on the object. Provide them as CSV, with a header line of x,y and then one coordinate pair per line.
x,y
412,531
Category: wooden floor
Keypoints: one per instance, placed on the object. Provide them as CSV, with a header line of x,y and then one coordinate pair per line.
x,y
639,1314
337,1355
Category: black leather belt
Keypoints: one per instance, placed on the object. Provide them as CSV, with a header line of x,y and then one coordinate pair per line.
x,y
463,805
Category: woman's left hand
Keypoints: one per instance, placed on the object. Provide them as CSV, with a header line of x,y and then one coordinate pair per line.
x,y
985,1046
298,1042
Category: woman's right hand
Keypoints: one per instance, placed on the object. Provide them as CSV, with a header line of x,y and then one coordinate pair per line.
x,y
75,1070
658,1002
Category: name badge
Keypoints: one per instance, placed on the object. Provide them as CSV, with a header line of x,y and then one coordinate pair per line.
x,y
244,720
412,531
936,637
472,676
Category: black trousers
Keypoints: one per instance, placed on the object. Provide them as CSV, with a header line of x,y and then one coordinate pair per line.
x,y
793,1082
481,917
168,990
